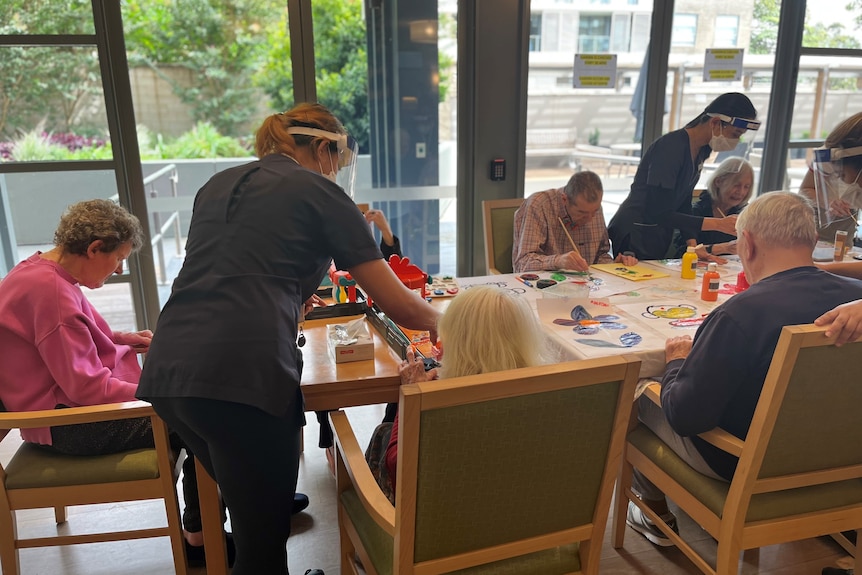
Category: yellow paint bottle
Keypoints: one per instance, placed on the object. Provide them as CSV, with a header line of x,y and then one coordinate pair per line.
x,y
689,264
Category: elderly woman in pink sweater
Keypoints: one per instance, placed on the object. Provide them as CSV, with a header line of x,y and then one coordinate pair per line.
x,y
57,351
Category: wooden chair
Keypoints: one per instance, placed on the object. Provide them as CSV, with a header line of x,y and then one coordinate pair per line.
x,y
36,478
507,472
498,221
800,467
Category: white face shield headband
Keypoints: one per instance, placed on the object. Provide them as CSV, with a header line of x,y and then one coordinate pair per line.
x,y
836,189
721,143
347,154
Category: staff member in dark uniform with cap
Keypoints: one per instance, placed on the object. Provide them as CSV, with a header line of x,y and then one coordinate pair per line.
x,y
224,366
660,196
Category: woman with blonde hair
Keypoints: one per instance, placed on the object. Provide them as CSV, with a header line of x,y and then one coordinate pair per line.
x,y
484,329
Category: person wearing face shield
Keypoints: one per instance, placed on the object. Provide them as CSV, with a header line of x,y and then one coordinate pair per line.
x,y
660,197
833,182
224,368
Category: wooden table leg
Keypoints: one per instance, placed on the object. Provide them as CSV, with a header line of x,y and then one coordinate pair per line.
x,y
213,526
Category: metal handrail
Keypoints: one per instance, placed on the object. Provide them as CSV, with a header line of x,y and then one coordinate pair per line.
x,y
157,240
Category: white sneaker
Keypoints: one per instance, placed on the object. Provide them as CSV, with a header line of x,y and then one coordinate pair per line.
x,y
636,519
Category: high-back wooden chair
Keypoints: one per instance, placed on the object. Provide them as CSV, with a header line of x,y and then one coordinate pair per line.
x,y
800,466
506,472
498,222
37,478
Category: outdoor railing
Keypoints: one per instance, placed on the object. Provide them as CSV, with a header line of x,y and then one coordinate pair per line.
x,y
160,228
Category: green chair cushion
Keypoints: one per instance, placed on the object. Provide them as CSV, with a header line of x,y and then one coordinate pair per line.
x,y
33,466
380,548
713,493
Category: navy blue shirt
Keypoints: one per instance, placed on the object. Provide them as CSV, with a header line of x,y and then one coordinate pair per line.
x,y
260,241
719,383
660,199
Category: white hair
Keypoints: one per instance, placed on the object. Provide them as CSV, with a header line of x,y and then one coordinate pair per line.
x,y
780,219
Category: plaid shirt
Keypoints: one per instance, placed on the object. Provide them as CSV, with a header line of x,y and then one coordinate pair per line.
x,y
539,238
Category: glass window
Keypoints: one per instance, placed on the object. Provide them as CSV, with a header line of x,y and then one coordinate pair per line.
x,y
687,92
726,31
535,32
572,129
393,85
594,33
56,120
829,87
551,32
684,30
28,17
621,33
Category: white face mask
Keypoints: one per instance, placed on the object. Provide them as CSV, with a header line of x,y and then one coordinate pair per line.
x,y
331,174
721,143
851,190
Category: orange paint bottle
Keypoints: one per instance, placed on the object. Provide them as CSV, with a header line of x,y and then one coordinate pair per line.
x,y
711,281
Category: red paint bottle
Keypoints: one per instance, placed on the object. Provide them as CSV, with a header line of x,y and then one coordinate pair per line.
x,y
711,281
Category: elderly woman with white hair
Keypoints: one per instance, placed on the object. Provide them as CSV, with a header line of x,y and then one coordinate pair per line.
x,y
728,190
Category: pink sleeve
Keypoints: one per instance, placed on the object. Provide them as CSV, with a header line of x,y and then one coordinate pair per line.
x,y
392,453
77,365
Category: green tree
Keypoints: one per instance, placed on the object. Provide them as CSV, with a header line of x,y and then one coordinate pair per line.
x,y
764,29
341,65
46,86
220,41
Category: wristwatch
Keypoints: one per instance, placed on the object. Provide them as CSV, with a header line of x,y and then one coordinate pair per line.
x,y
708,248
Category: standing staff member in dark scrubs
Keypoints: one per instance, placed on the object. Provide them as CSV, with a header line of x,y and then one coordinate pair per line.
x,y
224,366
660,196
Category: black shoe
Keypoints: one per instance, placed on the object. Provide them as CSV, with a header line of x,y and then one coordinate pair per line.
x,y
300,502
196,556
314,572
836,571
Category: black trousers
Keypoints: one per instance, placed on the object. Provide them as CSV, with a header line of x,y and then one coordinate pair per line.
x,y
254,458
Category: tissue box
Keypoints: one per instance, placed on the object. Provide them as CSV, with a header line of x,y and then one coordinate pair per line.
x,y
359,350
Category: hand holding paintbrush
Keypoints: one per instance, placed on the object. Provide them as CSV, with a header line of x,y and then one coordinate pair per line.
x,y
572,260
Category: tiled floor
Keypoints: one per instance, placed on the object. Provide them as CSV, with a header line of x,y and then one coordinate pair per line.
x,y
314,542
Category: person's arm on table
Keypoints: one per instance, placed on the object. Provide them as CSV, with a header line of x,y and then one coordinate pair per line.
x,y
696,388
401,304
845,320
708,252
846,269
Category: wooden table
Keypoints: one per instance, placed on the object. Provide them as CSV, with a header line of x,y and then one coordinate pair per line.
x,y
330,386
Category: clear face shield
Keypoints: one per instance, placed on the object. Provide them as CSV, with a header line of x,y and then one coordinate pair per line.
x,y
837,184
347,155
732,129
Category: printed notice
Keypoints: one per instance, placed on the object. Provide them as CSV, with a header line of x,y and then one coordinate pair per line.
x,y
595,71
722,64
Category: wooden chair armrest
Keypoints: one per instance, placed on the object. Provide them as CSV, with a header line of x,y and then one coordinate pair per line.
x,y
75,415
353,456
653,392
716,436
723,440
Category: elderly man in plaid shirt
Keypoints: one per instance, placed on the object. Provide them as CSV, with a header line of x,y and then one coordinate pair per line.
x,y
546,219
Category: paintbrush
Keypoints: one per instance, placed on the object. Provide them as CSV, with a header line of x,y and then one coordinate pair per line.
x,y
568,235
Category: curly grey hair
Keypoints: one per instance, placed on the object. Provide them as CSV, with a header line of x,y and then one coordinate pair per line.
x,y
85,222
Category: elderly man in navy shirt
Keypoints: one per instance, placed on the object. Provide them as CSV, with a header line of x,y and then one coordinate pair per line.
x,y
715,379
